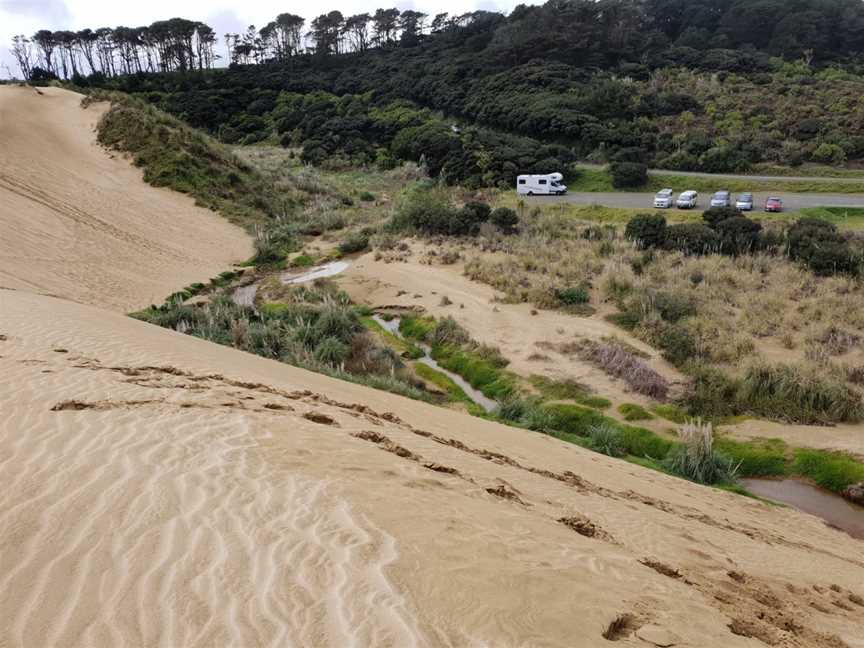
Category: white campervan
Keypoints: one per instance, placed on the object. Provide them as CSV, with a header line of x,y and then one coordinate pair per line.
x,y
541,185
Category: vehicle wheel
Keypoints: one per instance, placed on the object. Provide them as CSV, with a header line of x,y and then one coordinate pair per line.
x,y
530,193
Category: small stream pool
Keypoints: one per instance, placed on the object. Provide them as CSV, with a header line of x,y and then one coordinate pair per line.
x,y
835,510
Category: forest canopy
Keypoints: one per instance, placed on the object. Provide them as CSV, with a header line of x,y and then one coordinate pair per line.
x,y
715,85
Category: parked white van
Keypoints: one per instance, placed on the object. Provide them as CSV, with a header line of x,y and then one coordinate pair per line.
x,y
541,185
687,200
663,199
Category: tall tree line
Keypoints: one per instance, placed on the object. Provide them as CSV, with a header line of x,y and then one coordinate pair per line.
x,y
182,45
165,46
608,31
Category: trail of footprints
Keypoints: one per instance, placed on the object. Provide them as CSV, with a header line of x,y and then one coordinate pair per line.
x,y
754,608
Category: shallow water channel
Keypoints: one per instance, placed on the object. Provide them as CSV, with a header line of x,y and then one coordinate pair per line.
x,y
835,510
474,394
245,295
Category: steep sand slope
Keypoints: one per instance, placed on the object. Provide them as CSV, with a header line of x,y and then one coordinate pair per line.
x,y
161,490
80,223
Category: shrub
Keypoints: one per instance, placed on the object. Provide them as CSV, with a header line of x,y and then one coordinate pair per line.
x,y
715,215
574,296
505,219
448,331
646,230
711,393
354,242
829,154
606,438
676,343
627,175
692,238
633,412
366,196
620,363
697,460
818,244
738,235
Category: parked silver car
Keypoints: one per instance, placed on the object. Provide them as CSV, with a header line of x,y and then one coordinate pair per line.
x,y
663,199
744,202
720,199
687,200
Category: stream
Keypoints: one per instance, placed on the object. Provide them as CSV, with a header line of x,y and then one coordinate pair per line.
x,y
475,395
835,510
245,295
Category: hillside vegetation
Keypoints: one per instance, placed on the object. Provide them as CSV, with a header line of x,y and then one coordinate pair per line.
x,y
480,97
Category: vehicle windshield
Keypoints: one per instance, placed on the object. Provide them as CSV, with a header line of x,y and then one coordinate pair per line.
x,y
745,197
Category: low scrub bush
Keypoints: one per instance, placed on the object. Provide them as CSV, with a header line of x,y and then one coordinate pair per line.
x,y
646,230
738,235
633,412
692,239
617,362
819,245
574,296
354,242
505,219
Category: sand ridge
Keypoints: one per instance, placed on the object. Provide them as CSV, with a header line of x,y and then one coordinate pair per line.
x,y
79,222
161,490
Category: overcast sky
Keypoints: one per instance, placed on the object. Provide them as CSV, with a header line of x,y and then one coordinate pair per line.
x,y
27,16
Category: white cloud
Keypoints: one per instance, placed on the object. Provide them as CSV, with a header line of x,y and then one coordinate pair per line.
x,y
27,16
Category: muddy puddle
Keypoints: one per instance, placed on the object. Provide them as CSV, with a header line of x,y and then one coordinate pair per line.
x,y
835,510
474,394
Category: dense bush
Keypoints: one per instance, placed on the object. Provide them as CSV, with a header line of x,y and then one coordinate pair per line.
x,y
715,215
819,245
738,235
505,219
429,210
574,296
692,238
354,242
628,175
646,230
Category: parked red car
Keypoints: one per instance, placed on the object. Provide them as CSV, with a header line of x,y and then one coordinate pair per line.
x,y
773,205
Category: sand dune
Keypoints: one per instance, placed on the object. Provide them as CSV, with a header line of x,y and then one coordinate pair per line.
x,y
78,222
161,490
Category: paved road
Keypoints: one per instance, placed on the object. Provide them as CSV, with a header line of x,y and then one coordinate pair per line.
x,y
791,201
738,176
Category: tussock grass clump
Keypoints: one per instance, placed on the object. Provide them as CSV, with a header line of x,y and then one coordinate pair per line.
x,y
697,460
788,393
607,439
622,364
